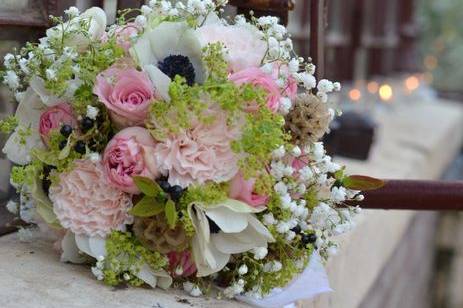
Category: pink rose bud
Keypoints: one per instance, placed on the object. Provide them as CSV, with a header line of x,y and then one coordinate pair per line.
x,y
243,190
130,153
53,118
257,77
127,93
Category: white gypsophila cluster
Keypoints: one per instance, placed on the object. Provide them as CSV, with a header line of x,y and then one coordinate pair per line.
x,y
97,270
234,289
92,112
25,235
182,8
259,252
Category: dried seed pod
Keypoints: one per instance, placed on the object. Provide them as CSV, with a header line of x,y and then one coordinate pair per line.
x,y
155,234
308,120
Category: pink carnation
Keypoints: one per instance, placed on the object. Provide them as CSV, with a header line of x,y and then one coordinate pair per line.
x,y
128,154
181,264
199,154
86,203
257,77
243,190
127,93
53,118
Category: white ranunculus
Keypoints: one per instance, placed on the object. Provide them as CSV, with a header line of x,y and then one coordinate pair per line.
x,y
166,39
94,17
240,231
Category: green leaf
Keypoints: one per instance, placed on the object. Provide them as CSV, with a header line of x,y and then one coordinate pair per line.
x,y
361,182
65,151
171,214
339,175
147,207
147,186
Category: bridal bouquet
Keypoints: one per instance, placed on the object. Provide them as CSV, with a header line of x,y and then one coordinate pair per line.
x,y
177,148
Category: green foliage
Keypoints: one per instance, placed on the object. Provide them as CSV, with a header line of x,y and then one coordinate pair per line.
x,y
217,67
209,194
361,182
126,255
147,186
147,207
8,124
171,214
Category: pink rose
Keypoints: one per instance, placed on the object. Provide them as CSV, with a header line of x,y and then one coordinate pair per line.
x,y
258,78
53,118
127,93
244,43
243,190
86,203
128,154
181,264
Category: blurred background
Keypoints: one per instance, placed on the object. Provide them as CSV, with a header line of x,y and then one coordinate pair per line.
x,y
401,66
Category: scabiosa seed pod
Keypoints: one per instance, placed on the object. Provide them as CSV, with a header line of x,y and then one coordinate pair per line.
x,y
309,119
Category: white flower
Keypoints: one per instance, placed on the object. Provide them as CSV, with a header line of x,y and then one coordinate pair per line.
x,y
336,86
293,66
188,286
269,219
23,65
308,80
152,3
359,197
285,201
322,96
167,39
281,188
243,269
306,174
239,231
277,266
72,11
196,291
296,151
325,86
92,112
259,252
94,157
11,80
324,217
98,273
285,105
338,194
318,151
12,207
8,60
140,21
146,10
290,236
283,227
279,153
51,74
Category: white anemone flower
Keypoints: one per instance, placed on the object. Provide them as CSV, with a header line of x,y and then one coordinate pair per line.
x,y
237,230
172,41
95,247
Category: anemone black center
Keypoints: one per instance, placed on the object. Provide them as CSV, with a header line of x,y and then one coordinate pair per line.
x,y
178,65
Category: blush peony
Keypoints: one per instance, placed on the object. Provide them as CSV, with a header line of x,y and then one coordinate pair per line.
x,y
128,154
53,118
127,93
265,81
86,203
243,42
199,154
243,190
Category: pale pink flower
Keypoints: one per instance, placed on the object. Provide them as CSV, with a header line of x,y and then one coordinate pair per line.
x,y
127,93
124,35
265,81
86,203
244,45
128,154
181,264
243,190
199,154
53,118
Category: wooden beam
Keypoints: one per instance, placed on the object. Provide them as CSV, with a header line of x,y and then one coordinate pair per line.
x,y
317,35
416,195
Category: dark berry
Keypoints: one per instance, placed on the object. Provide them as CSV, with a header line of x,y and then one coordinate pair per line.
x,y
213,228
80,147
165,186
296,229
178,65
66,130
62,144
176,192
309,238
180,214
46,183
86,124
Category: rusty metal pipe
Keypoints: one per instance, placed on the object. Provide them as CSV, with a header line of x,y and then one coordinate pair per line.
x,y
416,195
